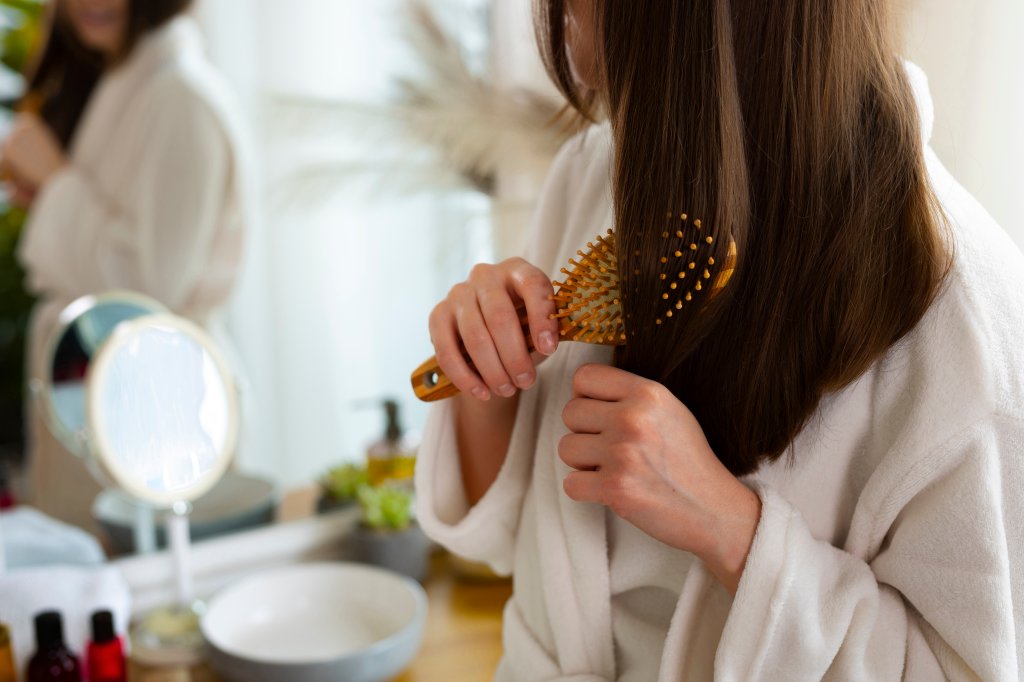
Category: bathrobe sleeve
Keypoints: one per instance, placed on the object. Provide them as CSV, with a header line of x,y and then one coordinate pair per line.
x,y
487,532
151,235
941,597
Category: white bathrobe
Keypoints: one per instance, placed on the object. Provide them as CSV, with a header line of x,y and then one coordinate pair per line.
x,y
890,544
153,200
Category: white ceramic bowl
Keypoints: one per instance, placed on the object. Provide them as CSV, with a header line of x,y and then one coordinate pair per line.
x,y
316,623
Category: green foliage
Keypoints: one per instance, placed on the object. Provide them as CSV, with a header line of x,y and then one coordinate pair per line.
x,y
17,40
343,482
385,507
15,308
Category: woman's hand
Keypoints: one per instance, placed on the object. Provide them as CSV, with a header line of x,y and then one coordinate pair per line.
x,y
19,194
31,153
640,452
482,312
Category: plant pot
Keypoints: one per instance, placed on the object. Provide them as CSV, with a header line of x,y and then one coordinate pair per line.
x,y
404,551
326,503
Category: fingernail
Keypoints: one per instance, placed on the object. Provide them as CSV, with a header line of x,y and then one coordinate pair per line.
x,y
524,379
480,394
506,390
546,343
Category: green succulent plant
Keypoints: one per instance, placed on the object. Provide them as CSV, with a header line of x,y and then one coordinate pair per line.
x,y
343,482
385,507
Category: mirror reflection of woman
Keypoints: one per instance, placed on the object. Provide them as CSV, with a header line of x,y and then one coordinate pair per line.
x,y
126,155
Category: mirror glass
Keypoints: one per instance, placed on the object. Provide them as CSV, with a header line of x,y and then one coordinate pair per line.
x,y
161,410
83,328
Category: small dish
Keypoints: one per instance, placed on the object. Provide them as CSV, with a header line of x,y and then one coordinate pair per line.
x,y
315,623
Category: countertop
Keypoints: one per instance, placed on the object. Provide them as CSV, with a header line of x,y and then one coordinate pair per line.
x,y
462,637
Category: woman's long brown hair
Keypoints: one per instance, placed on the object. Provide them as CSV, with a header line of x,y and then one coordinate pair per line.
x,y
66,72
789,127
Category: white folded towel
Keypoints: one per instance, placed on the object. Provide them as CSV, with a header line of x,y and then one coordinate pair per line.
x,y
75,591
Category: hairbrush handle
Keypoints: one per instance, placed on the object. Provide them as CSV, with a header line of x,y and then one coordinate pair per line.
x,y
429,381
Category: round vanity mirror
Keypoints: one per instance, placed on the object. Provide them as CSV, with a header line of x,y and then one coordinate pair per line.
x,y
82,329
162,424
161,410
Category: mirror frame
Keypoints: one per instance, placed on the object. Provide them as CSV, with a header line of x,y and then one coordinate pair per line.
x,y
77,443
100,446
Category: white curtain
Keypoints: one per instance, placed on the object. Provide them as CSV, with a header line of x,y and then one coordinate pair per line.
x,y
330,317
973,53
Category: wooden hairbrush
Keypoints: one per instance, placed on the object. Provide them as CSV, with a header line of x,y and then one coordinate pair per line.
x,y
589,302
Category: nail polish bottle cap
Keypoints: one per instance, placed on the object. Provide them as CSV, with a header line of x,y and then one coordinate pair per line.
x,y
49,630
103,627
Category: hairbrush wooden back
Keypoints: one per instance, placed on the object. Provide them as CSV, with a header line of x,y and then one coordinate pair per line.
x,y
589,302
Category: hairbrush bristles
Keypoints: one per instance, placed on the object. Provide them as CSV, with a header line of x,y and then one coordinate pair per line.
x,y
589,306
686,250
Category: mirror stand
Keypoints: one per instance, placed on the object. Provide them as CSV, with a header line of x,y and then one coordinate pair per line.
x,y
170,633
143,527
179,542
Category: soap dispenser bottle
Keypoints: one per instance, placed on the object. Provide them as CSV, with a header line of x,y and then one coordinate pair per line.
x,y
392,458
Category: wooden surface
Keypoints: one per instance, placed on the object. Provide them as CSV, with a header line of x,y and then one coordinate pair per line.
x,y
462,638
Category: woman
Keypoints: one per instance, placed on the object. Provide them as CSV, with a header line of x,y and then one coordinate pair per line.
x,y
814,474
132,173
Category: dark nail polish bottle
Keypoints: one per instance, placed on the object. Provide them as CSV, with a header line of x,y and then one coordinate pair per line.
x,y
53,661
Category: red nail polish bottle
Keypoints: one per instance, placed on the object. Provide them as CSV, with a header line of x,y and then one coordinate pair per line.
x,y
53,661
105,655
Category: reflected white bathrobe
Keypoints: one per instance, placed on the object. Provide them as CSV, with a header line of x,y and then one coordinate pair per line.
x,y
891,544
154,200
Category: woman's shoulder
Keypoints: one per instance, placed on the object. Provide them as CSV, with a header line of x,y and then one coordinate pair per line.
x,y
968,351
192,84
587,151
171,79
952,389
575,203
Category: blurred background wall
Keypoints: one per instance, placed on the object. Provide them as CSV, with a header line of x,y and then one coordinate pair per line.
x,y
973,53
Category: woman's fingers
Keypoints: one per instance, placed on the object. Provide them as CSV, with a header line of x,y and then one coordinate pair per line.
x,y
583,486
584,415
480,346
580,451
604,382
449,353
534,288
502,322
480,319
